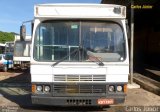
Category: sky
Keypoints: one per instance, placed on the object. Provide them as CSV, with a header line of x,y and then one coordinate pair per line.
x,y
14,12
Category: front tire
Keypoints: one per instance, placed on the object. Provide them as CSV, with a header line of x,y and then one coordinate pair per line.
x,y
5,68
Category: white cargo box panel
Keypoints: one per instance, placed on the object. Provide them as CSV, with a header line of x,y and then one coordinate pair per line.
x,y
17,37
3,45
22,49
80,11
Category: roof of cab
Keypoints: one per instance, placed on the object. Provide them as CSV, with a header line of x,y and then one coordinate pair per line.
x,y
79,11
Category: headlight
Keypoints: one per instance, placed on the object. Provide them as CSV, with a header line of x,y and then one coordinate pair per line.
x,y
111,88
119,88
39,88
47,88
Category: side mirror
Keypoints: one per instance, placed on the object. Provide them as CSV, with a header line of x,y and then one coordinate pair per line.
x,y
22,32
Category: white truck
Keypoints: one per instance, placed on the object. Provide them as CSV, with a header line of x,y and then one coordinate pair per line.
x,y
6,56
9,47
21,55
79,54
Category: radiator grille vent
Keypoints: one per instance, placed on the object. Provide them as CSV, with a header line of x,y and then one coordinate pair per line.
x,y
80,78
64,89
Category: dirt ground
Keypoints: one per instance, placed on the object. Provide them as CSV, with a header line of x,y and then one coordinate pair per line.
x,y
15,76
141,97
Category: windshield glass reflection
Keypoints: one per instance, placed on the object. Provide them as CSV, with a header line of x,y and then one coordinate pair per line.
x,y
56,40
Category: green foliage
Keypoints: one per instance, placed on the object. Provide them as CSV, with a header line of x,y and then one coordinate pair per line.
x,y
6,37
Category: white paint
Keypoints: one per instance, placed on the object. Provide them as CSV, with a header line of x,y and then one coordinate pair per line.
x,y
41,78
44,73
79,70
21,58
114,70
78,11
41,69
117,78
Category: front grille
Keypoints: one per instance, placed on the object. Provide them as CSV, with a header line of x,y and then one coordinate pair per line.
x,y
80,78
91,89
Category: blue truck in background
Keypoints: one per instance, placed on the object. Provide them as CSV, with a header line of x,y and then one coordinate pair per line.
x,y
6,61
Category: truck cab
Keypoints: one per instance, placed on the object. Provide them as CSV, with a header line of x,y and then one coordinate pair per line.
x,y
6,61
79,55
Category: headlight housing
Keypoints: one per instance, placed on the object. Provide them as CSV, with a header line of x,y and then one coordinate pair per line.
x,y
111,88
39,88
119,88
47,88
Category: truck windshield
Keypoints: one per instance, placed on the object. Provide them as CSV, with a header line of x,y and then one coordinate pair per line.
x,y
56,39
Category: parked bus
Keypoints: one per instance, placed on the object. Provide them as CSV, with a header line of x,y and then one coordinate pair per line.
x,y
79,54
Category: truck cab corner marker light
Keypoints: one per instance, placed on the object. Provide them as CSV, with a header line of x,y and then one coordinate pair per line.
x,y
125,88
33,88
36,10
124,11
117,10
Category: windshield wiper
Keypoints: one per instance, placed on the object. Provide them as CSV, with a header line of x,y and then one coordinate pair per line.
x,y
89,53
65,57
94,58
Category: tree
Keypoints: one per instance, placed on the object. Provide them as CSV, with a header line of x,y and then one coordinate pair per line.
x,y
6,37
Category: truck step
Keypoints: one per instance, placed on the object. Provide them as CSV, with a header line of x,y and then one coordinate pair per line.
x,y
152,72
147,83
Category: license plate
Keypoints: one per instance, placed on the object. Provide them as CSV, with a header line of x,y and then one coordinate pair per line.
x,y
105,101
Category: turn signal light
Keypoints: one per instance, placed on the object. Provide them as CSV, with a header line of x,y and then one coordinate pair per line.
x,y
125,88
33,88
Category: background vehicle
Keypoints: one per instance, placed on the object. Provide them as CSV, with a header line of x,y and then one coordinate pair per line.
x,y
2,48
6,61
9,47
79,54
22,51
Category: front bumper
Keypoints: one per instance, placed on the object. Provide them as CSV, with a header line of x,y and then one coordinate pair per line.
x,y
75,101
